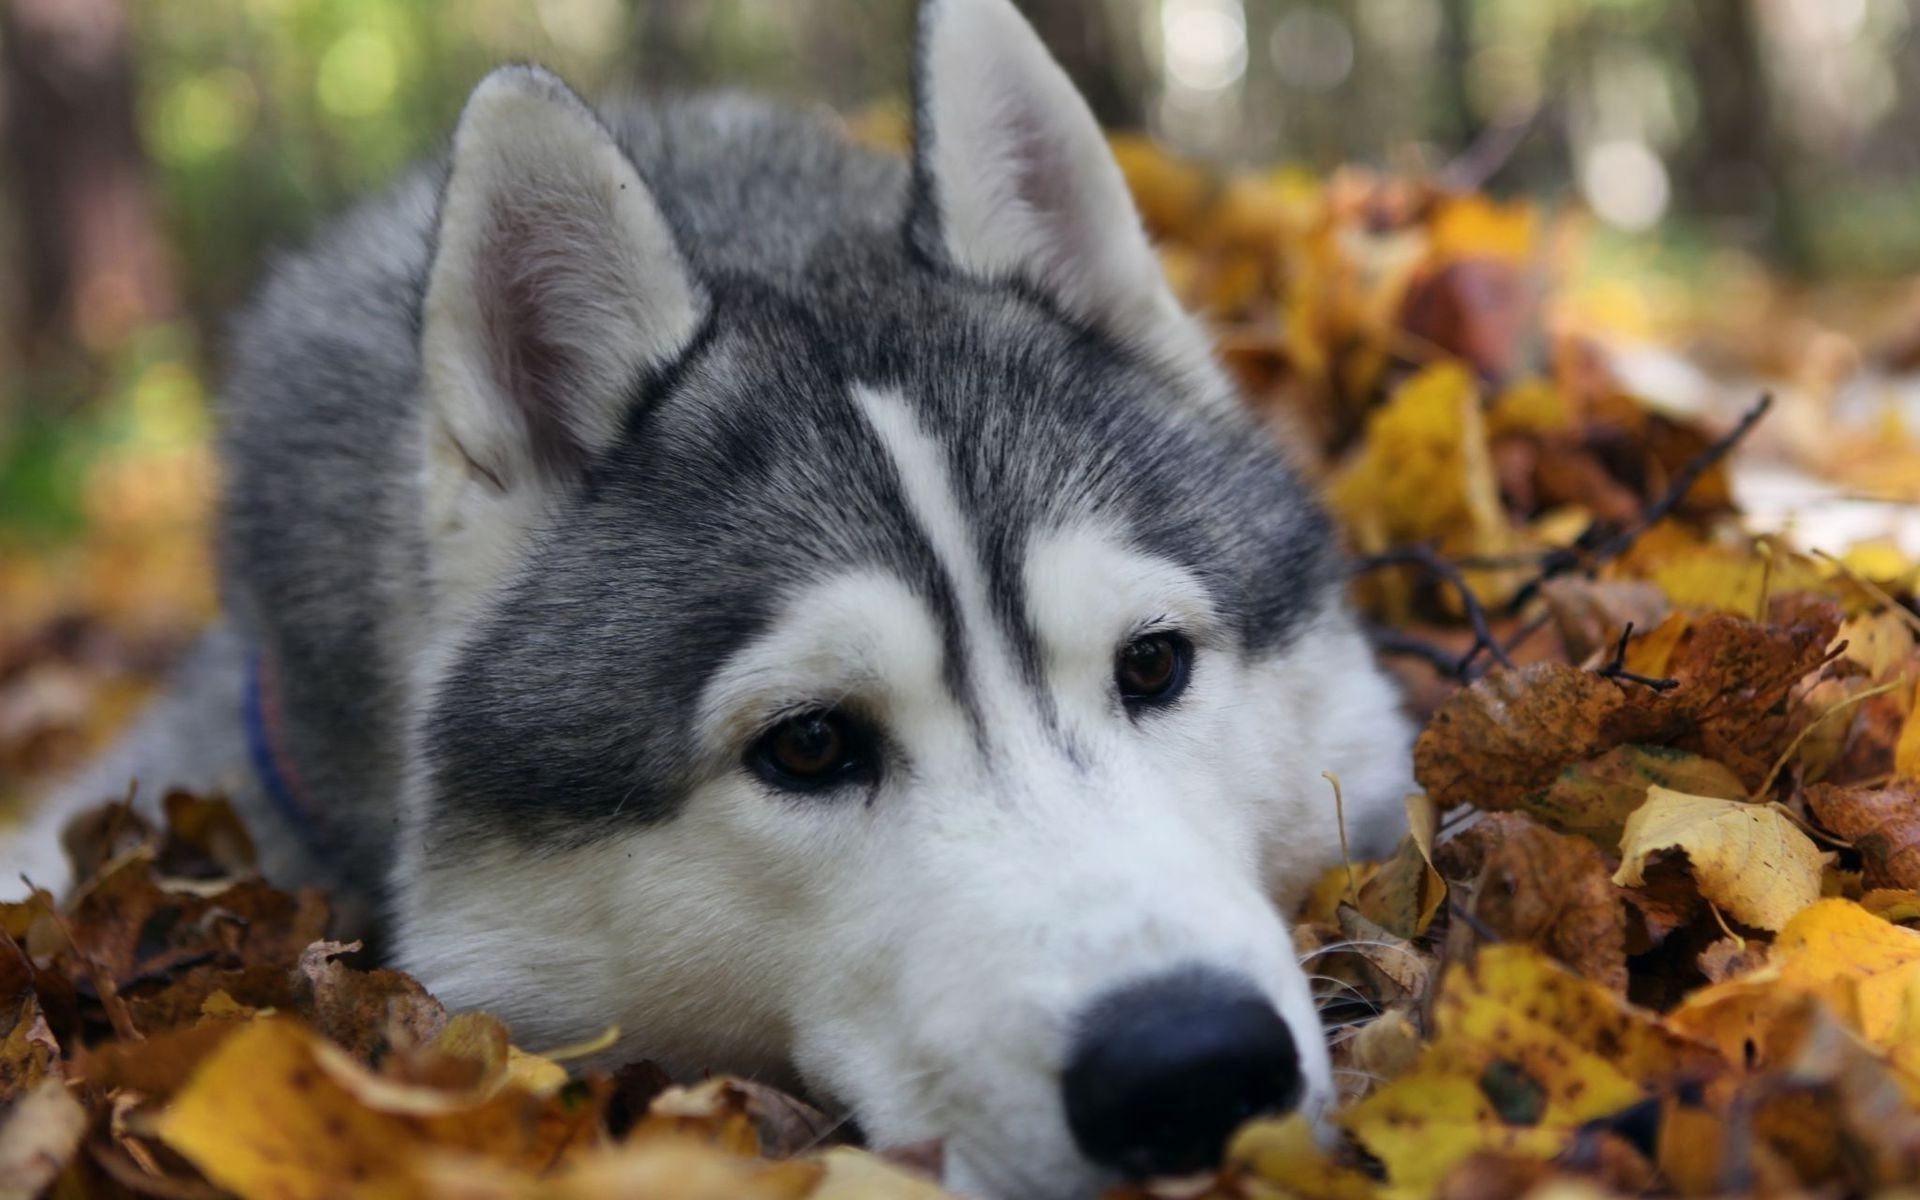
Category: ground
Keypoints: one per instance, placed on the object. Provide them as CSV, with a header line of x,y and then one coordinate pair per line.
x,y
1643,554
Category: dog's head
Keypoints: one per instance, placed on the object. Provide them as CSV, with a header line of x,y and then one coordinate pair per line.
x,y
875,646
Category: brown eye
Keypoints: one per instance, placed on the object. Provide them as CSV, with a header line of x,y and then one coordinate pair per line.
x,y
812,750
1152,670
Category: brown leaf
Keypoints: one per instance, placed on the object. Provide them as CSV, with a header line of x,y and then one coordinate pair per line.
x,y
1404,894
29,1055
204,839
1511,734
1595,798
367,1013
1882,824
1547,889
1591,613
1732,956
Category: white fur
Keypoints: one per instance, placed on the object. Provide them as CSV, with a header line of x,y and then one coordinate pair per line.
x,y
920,953
1026,187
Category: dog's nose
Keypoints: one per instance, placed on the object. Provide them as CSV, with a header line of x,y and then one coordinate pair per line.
x,y
1160,1073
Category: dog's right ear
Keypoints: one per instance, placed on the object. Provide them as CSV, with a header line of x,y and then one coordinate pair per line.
x,y
556,286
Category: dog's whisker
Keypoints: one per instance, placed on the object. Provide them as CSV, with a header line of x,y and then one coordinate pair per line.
x,y
1355,944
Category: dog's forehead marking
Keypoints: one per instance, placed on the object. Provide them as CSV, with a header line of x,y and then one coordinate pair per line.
x,y
981,668
1087,587
865,634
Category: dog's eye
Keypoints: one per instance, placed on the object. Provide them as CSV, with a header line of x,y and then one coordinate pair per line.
x,y
1152,669
811,751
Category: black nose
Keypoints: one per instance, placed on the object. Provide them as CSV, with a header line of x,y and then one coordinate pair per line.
x,y
1161,1072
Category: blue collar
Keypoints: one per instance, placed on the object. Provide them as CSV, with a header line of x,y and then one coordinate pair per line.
x,y
259,714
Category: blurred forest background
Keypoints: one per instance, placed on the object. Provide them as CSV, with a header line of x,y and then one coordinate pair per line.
x,y
155,150
1724,160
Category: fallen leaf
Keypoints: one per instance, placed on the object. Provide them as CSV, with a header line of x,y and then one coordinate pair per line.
x,y
1882,824
1283,1153
1546,889
1748,859
275,1110
1595,798
1856,963
1524,1053
660,1169
1906,754
1405,893
367,1012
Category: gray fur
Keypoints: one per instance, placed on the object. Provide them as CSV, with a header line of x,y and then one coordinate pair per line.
x,y
744,471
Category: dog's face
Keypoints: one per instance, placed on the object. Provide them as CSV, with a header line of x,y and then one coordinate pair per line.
x,y
909,671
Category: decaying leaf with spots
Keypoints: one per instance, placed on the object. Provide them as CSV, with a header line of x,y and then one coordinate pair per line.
x,y
1748,859
1595,798
1511,735
1882,824
1524,1054
1526,883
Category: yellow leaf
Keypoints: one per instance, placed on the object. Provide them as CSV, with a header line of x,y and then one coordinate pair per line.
x,y
665,1168
1474,226
1906,753
1525,1053
856,1175
1531,406
1881,642
1748,859
276,1111
1284,1153
1860,965
1424,472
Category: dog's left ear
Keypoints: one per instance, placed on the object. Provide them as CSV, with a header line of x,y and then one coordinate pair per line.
x,y
1013,179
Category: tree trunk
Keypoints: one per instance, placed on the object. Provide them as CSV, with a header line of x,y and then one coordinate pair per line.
x,y
1736,166
93,265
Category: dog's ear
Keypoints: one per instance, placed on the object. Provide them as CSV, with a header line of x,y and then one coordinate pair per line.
x,y
1013,178
556,285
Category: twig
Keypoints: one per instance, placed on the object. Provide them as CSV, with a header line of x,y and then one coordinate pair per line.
x,y
1481,929
1558,562
1617,667
1429,560
1399,644
1340,816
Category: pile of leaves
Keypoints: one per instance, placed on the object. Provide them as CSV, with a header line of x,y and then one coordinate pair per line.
x,y
1655,929
176,1027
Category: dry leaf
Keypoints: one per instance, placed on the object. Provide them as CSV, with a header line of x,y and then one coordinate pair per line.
x,y
1882,824
1524,1054
1595,798
1548,890
1748,859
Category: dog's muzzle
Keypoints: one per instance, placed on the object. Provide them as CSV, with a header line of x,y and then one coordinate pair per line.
x,y
1161,1072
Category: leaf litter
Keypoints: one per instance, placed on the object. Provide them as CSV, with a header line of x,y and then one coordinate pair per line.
x,y
1656,930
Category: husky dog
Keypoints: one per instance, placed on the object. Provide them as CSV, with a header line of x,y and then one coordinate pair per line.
x,y
828,615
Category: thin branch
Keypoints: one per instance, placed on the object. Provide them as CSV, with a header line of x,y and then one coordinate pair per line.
x,y
1426,558
1583,555
1616,668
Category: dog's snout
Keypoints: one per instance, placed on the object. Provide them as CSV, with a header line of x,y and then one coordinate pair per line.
x,y
1160,1073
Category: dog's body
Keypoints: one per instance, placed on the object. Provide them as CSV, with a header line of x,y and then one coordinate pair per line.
x,y
579,493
